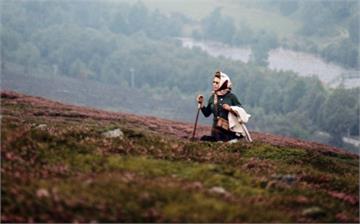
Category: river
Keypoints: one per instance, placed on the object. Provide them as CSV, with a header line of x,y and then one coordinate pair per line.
x,y
304,64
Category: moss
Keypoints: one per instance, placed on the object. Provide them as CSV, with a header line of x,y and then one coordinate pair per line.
x,y
200,209
209,174
275,153
109,197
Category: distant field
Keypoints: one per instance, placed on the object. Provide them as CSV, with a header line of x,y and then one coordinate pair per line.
x,y
243,12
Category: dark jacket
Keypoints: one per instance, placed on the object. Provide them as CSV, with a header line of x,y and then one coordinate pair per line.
x,y
228,98
219,134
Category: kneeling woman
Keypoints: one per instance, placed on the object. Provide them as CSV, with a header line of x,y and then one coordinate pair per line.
x,y
219,105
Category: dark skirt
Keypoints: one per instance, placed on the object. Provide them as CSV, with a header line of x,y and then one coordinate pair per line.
x,y
219,134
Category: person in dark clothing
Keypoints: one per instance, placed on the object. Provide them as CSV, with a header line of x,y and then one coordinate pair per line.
x,y
219,105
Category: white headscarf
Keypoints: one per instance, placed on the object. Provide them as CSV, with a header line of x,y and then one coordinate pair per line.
x,y
225,89
223,78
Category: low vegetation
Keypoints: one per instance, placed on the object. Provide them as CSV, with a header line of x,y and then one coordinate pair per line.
x,y
57,166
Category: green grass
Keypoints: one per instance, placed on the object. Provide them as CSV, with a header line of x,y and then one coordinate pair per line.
x,y
68,172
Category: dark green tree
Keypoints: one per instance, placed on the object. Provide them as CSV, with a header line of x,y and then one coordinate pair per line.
x,y
340,113
217,27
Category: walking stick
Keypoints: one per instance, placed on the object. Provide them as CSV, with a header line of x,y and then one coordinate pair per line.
x,y
247,134
196,120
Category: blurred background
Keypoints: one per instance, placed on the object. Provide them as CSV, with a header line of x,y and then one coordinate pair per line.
x,y
294,64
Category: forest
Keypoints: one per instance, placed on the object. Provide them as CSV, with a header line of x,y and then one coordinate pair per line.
x,y
328,28
131,46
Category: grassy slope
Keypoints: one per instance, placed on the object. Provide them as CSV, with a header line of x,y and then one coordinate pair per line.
x,y
65,170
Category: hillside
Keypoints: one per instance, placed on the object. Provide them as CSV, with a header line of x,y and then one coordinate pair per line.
x,y
57,165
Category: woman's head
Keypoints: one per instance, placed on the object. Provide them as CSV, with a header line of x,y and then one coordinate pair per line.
x,y
221,82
